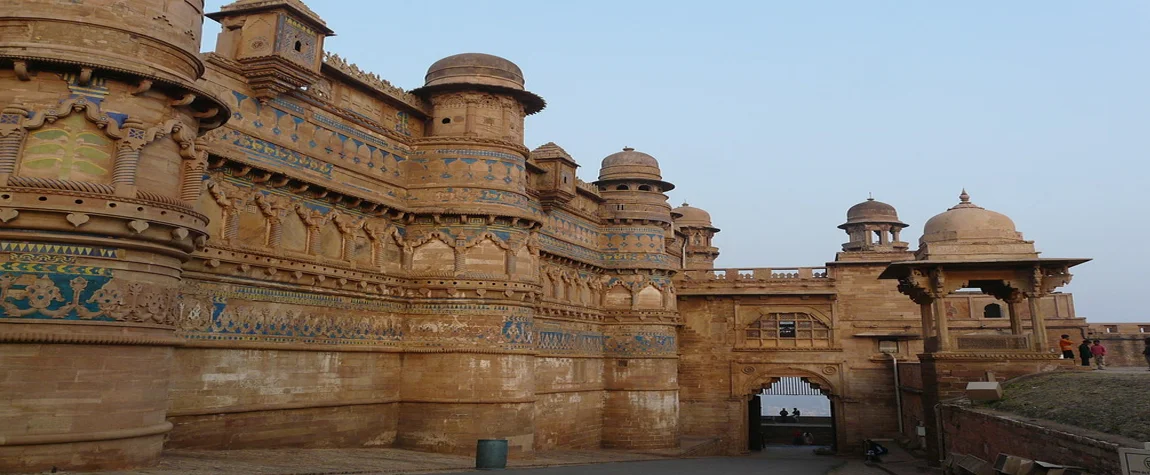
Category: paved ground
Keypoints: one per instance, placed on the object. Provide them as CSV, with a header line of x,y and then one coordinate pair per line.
x,y
353,461
785,459
788,460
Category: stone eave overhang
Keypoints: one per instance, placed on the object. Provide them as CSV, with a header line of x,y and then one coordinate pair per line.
x,y
897,335
898,270
211,110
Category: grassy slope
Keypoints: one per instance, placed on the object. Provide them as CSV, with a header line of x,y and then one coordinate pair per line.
x,y
1114,403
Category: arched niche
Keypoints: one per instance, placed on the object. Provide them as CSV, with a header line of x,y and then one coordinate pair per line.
x,y
71,148
525,265
294,233
649,298
433,256
618,297
485,257
208,206
330,241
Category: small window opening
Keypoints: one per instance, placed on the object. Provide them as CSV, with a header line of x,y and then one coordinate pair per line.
x,y
446,120
992,311
622,188
644,188
299,46
564,180
888,346
786,329
619,207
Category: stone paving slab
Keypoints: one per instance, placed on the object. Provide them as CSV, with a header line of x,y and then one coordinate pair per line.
x,y
355,461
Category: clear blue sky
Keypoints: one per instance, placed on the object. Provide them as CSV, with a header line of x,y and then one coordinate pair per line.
x,y
776,116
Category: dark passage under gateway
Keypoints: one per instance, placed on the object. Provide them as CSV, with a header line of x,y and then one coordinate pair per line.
x,y
768,427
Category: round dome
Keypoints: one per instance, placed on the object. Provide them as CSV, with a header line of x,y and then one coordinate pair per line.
x,y
691,217
475,69
968,221
629,164
871,211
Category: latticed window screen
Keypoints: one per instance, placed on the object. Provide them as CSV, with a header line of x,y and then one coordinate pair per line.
x,y
787,329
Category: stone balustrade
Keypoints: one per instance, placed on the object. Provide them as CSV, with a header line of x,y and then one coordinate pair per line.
x,y
992,342
758,274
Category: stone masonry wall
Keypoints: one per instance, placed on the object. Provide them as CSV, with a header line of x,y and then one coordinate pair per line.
x,y
232,398
985,435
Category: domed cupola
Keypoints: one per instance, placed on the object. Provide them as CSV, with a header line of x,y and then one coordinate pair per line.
x,y
699,251
873,226
633,187
970,232
480,72
630,165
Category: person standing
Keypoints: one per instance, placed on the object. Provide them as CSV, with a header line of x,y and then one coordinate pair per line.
x,y
1067,347
1099,353
795,413
783,415
1146,352
1084,352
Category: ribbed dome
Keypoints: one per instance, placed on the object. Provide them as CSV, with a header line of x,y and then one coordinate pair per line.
x,y
475,68
691,217
871,211
629,164
967,221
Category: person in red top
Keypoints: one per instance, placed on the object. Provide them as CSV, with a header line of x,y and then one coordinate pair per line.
x,y
1067,347
1099,353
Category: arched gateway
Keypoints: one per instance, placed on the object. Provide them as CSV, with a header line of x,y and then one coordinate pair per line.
x,y
757,380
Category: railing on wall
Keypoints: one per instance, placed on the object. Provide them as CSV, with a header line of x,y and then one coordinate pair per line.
x,y
759,274
992,341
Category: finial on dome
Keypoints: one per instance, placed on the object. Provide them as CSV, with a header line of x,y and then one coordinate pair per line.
x,y
870,196
965,198
685,204
628,149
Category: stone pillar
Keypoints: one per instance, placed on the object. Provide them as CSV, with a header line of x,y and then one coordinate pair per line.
x,y
1038,322
1015,318
941,324
927,312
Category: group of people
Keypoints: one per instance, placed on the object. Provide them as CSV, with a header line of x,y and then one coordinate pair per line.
x,y
785,416
1093,350
1088,350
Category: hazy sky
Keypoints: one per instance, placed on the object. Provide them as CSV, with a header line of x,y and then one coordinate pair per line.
x,y
776,116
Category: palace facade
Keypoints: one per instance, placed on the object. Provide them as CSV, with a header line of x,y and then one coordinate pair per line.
x,y
268,247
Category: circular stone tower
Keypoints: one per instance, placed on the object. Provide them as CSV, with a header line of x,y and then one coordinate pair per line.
x,y
99,171
641,361
470,249
699,251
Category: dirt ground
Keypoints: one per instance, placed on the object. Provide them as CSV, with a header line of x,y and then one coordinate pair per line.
x,y
1108,401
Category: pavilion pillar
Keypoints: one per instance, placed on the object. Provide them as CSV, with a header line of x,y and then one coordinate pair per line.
x,y
1015,318
942,327
1038,323
927,313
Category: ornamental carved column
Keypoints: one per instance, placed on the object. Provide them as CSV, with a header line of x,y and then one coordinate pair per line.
x,y
128,158
1038,321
